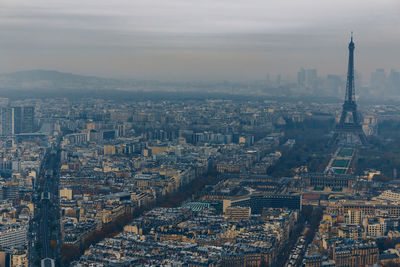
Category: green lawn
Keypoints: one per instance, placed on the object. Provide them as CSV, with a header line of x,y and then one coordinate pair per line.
x,y
340,163
340,171
346,152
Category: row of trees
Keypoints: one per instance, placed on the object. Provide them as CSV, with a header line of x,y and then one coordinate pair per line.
x,y
309,216
381,155
70,253
311,148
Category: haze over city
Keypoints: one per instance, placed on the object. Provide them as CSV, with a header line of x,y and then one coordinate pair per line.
x,y
205,133
197,40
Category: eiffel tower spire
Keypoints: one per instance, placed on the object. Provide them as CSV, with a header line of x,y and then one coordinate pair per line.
x,y
350,97
349,125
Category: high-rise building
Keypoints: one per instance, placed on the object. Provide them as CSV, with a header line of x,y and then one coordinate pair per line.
x,y
311,78
301,77
6,121
334,84
378,79
394,80
28,116
307,78
15,120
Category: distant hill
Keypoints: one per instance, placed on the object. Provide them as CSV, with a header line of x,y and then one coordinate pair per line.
x,y
55,80
48,79
34,83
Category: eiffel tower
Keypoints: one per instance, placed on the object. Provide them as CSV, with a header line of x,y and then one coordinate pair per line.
x,y
349,126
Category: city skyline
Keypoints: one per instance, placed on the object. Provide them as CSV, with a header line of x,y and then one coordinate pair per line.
x,y
200,133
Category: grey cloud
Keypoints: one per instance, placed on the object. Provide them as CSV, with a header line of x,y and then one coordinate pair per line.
x,y
187,35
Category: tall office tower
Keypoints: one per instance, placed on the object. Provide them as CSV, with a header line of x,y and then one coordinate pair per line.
x,y
307,78
6,121
15,120
301,78
28,116
378,79
394,80
334,84
349,125
268,78
311,78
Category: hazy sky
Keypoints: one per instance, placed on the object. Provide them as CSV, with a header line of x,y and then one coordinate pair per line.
x,y
197,39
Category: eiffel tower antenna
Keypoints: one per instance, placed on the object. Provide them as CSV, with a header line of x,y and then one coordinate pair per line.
x,y
349,126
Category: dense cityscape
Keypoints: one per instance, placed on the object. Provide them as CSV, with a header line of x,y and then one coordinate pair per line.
x,y
199,133
199,182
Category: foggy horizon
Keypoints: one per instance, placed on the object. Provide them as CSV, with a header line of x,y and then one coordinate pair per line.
x,y
200,133
198,41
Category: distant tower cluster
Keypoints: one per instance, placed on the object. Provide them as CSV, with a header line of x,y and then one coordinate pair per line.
x,y
349,126
16,120
307,78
